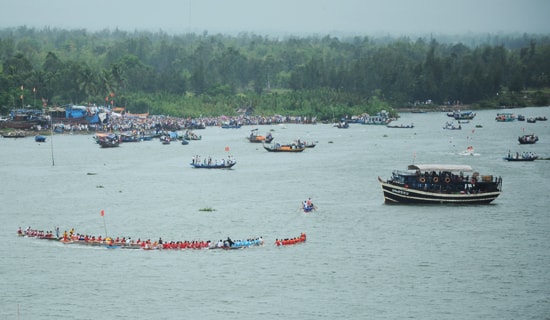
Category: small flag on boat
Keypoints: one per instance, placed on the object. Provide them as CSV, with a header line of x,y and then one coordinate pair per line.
x,y
102,213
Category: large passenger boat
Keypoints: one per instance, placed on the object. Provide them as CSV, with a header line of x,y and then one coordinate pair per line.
x,y
440,184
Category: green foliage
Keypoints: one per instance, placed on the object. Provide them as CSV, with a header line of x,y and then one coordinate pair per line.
x,y
327,78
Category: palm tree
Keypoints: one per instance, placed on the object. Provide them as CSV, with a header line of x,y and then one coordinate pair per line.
x,y
87,82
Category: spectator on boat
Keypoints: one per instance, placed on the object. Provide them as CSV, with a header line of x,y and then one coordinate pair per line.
x,y
230,242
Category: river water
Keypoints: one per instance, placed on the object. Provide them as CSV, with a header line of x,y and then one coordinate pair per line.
x,y
362,259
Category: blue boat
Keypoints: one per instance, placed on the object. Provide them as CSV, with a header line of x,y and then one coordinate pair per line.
x,y
231,126
308,206
40,138
505,117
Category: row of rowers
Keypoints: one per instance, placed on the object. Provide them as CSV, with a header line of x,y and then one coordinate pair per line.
x,y
161,244
228,243
72,237
291,241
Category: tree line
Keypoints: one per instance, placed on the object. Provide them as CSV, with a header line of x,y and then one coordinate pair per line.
x,y
328,77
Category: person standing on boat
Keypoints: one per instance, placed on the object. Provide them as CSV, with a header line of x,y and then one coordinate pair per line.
x,y
230,242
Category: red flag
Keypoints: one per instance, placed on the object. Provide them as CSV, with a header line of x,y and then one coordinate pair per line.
x,y
226,148
102,213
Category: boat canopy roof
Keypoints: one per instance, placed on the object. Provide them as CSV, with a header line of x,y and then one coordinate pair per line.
x,y
441,167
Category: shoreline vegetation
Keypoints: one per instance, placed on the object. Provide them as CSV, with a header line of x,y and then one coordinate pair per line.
x,y
330,78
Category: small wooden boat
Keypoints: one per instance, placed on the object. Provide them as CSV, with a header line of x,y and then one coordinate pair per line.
x,y
528,139
209,163
505,117
108,141
284,148
381,118
463,115
191,136
128,137
308,144
165,139
256,138
308,206
14,134
225,165
342,125
401,126
40,138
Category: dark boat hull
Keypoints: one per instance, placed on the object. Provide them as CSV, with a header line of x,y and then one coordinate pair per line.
x,y
284,149
260,139
395,194
519,159
213,166
528,139
40,138
108,144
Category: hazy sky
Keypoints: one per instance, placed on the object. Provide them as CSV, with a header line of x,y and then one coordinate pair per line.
x,y
396,17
